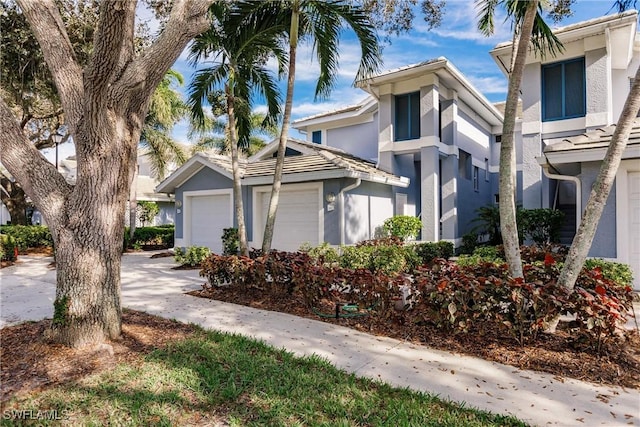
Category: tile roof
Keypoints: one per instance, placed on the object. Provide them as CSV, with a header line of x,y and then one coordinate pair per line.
x,y
597,138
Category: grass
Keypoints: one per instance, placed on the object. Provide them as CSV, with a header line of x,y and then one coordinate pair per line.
x,y
220,378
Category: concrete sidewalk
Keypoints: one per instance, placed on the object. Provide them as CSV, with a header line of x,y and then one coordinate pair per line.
x,y
27,291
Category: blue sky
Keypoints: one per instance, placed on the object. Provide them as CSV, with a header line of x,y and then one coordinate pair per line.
x,y
457,39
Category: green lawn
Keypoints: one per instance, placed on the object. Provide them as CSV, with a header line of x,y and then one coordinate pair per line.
x,y
216,378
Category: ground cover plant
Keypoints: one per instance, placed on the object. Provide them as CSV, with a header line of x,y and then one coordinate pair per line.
x,y
167,373
473,307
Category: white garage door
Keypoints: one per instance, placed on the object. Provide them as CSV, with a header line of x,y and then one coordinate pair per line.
x,y
297,220
634,226
209,215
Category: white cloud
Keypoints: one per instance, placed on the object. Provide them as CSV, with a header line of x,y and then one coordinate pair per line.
x,y
489,84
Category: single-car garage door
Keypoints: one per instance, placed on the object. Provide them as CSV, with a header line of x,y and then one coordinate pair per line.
x,y
208,216
298,218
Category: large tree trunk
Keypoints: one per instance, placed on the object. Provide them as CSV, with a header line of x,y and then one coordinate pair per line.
x,y
284,134
15,199
105,106
235,166
601,189
507,191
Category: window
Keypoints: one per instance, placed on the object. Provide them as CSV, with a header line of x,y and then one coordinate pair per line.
x,y
486,169
563,90
407,123
464,165
476,179
316,137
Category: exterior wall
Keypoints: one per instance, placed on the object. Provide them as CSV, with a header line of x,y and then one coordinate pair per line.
x,y
606,232
4,214
205,179
359,139
366,208
166,215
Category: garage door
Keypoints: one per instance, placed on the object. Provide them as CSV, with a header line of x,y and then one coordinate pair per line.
x,y
297,220
209,215
634,226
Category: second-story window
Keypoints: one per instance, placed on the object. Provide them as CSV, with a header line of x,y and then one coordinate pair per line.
x,y
407,123
316,137
563,90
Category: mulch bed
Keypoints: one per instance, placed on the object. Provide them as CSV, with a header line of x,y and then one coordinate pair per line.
x,y
558,354
29,362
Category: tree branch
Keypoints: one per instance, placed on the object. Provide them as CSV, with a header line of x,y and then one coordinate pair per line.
x,y
46,23
188,18
27,165
113,43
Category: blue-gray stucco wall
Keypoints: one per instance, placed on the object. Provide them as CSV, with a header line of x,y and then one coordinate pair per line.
x,y
204,179
605,239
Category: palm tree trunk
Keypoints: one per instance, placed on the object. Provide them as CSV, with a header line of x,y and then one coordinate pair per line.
x,y
601,189
284,134
508,225
235,166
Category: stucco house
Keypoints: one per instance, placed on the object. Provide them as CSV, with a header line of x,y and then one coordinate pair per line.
x,y
570,104
425,142
328,195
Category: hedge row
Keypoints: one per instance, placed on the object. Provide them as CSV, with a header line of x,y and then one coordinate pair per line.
x,y
158,237
460,298
28,236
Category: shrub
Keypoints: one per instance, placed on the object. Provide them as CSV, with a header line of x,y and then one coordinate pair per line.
x,y
230,241
428,251
7,248
402,226
193,256
28,236
378,255
541,225
151,236
481,255
469,243
147,211
619,273
322,253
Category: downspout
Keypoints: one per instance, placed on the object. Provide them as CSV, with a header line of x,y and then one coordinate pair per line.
x,y
576,180
342,209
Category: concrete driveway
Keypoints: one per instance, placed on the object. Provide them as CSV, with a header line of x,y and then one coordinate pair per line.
x,y
27,291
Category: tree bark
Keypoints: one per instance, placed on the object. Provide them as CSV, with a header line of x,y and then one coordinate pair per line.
x,y
14,198
284,134
601,189
105,109
507,189
235,166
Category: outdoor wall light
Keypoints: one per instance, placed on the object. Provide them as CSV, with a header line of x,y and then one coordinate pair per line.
x,y
178,203
330,197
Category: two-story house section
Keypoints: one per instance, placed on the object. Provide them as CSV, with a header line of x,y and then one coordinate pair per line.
x,y
426,122
570,103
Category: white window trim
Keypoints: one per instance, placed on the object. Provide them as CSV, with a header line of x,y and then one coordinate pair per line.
x,y
187,198
258,226
622,209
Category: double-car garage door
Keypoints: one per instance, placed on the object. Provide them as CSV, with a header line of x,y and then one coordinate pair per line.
x,y
299,217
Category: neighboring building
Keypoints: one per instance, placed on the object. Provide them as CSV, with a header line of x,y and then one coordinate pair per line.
x,y
569,103
327,195
428,123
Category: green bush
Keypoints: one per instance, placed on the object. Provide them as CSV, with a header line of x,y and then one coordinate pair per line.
x,y
28,236
7,248
230,241
402,226
428,251
541,225
482,254
193,256
151,236
618,273
147,211
323,253
386,258
469,243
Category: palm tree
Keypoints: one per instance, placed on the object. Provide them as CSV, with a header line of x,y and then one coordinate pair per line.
x,y
165,110
529,28
216,135
239,44
321,22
